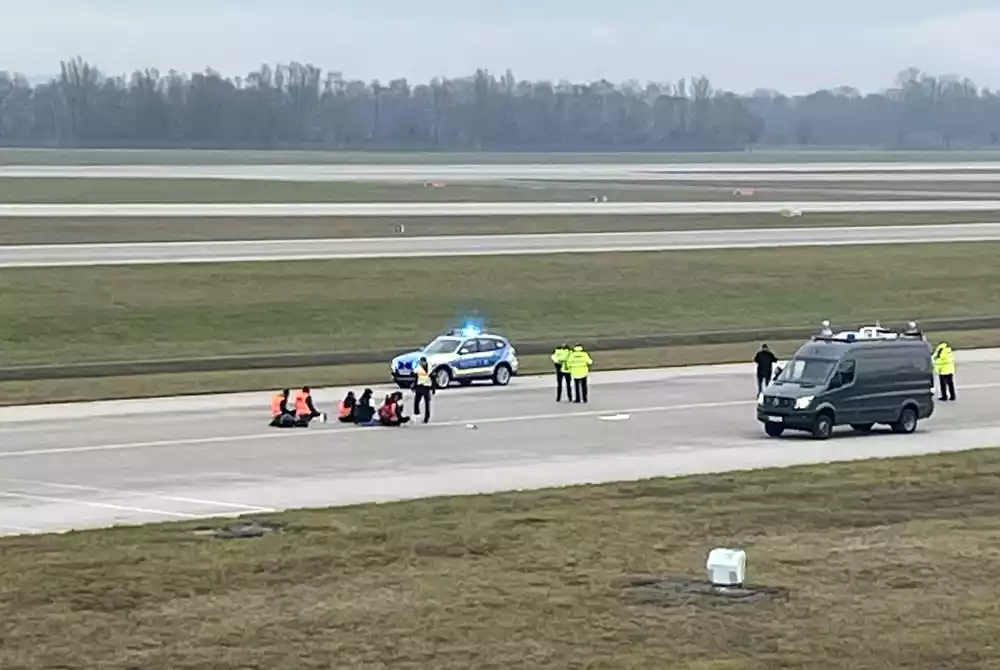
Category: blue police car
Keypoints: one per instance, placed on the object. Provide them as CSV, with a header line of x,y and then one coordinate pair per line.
x,y
462,356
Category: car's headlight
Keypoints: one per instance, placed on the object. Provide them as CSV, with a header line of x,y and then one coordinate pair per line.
x,y
760,399
803,403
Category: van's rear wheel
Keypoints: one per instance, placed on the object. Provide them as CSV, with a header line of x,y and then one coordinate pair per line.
x,y
862,427
907,422
823,428
773,430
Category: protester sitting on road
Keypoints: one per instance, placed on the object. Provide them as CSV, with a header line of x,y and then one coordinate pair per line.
x,y
305,410
391,412
364,413
345,410
281,416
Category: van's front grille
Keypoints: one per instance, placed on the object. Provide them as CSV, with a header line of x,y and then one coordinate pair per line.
x,y
776,401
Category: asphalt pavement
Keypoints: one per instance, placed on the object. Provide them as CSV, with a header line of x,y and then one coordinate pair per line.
x,y
68,255
890,172
90,465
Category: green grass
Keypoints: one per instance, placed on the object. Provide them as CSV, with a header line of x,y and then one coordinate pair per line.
x,y
159,385
25,190
208,157
128,312
178,229
884,564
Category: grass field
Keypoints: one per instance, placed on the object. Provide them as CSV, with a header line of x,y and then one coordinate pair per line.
x,y
160,385
20,190
874,564
178,229
128,312
209,157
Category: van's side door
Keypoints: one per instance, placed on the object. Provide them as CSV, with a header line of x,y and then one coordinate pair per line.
x,y
843,394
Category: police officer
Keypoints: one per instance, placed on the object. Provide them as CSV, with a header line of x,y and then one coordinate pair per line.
x,y
579,363
560,358
423,389
944,365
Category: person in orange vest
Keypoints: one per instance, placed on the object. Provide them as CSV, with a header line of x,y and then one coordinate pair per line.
x,y
391,412
305,410
345,410
280,416
423,389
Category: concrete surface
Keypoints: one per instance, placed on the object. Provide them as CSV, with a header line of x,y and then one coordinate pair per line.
x,y
440,209
888,172
89,465
144,253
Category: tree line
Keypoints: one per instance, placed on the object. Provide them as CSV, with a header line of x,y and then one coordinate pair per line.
x,y
299,105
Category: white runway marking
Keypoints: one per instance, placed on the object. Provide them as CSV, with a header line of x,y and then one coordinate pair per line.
x,y
152,494
223,439
19,529
93,503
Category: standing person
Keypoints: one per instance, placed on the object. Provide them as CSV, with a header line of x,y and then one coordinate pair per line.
x,y
423,389
579,363
560,358
280,416
944,365
765,360
305,410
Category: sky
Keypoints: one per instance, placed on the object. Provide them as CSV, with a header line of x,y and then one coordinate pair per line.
x,y
794,46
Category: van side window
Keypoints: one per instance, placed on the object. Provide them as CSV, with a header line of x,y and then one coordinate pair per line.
x,y
846,372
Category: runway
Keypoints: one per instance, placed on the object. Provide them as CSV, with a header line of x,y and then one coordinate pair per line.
x,y
832,172
89,465
443,209
85,255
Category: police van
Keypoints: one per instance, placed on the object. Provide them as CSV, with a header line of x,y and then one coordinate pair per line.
x,y
463,355
859,378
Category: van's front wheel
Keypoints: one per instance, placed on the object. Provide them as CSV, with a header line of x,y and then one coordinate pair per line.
x,y
823,428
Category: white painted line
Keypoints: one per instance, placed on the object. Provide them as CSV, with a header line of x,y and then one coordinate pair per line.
x,y
18,529
90,503
278,434
98,489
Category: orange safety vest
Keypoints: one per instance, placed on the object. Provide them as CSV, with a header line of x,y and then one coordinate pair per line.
x,y
345,411
276,405
301,407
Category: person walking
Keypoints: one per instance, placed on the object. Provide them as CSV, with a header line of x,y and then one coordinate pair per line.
x,y
579,363
560,358
423,389
944,366
765,360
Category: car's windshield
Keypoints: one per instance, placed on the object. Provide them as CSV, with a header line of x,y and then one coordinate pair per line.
x,y
442,345
812,371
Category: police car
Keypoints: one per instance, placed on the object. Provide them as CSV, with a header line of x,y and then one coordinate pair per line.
x,y
462,356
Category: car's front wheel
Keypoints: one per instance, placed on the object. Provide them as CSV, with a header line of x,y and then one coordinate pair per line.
x,y
907,422
442,378
501,375
823,428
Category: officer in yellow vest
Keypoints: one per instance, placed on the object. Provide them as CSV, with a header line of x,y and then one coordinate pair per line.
x,y
944,366
560,359
423,389
579,363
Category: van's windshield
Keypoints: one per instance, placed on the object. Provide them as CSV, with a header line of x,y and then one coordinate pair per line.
x,y
807,371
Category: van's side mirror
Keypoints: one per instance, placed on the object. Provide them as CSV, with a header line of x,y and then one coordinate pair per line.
x,y
463,351
837,381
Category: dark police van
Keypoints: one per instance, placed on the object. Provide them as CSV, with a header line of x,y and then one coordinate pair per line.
x,y
863,378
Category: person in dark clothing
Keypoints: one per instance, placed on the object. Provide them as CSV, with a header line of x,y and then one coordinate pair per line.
x,y
765,360
423,389
345,411
364,413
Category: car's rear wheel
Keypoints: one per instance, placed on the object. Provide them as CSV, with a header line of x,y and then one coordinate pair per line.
x,y
442,378
501,375
773,429
862,427
907,422
823,428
